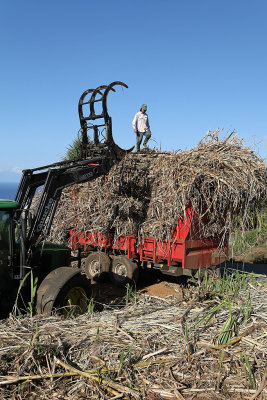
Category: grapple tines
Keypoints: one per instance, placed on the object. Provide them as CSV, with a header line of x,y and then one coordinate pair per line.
x,y
98,95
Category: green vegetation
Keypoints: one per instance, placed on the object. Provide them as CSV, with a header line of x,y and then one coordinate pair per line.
x,y
220,370
226,288
28,309
73,150
91,307
206,318
244,360
227,285
227,329
255,238
96,339
131,294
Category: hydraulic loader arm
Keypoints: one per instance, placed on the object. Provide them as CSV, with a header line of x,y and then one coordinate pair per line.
x,y
31,180
54,180
55,177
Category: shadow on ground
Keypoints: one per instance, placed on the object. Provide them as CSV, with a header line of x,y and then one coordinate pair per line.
x,y
151,282
260,269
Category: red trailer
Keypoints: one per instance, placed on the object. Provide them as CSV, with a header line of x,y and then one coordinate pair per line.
x,y
182,254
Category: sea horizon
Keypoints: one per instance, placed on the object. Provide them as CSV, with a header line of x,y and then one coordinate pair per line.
x,y
8,190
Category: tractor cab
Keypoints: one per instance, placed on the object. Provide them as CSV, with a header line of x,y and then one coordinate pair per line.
x,y
7,230
7,254
46,255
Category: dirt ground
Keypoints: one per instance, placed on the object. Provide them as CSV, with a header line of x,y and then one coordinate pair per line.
x,y
156,284
164,289
152,283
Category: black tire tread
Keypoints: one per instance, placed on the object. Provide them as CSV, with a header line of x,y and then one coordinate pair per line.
x,y
105,261
132,271
53,288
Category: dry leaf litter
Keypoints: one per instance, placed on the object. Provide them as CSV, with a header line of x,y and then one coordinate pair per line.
x,y
150,348
222,179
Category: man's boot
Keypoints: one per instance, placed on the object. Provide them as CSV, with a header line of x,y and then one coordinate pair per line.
x,y
137,148
145,143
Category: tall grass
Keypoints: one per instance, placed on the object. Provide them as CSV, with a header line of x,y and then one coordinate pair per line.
x,y
131,294
27,306
220,370
244,360
227,329
256,236
225,290
228,284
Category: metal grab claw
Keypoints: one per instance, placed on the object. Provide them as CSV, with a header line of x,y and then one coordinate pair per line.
x,y
108,143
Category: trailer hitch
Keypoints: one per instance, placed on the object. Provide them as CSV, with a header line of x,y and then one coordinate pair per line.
x,y
98,145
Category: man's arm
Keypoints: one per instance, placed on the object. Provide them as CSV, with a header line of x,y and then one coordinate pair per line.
x,y
134,123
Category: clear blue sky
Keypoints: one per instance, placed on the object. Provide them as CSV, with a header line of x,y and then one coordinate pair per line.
x,y
198,64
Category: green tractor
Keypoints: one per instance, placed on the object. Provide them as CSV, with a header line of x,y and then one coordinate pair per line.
x,y
61,286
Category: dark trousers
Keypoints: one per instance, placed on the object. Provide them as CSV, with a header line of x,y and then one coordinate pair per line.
x,y
139,138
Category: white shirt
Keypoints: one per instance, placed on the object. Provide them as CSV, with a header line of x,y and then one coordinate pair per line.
x,y
140,122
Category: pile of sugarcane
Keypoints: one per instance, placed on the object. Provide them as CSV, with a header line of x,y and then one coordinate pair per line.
x,y
223,180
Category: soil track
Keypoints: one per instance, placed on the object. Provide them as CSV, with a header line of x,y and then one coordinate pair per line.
x,y
156,284
150,282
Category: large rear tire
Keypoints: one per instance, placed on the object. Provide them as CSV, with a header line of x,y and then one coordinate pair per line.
x,y
123,271
64,291
97,266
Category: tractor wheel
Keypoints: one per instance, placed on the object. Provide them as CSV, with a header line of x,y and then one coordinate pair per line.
x,y
97,266
123,271
64,291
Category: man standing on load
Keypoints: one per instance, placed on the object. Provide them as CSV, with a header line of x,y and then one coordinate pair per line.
x,y
141,127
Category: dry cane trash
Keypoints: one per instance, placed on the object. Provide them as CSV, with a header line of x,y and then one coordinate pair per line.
x,y
223,180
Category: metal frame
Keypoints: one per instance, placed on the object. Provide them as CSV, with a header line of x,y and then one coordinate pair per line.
x,y
85,148
55,177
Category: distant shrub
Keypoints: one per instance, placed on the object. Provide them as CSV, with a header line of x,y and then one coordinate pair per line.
x,y
256,236
73,150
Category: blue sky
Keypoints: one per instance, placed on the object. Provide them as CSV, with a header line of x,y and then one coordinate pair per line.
x,y
197,64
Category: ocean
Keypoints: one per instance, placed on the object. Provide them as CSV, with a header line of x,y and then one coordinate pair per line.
x,y
8,190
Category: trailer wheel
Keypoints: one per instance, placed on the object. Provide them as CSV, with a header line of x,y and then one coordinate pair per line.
x,y
123,271
97,266
64,291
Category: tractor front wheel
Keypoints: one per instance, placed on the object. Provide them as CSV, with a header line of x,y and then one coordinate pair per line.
x,y
64,291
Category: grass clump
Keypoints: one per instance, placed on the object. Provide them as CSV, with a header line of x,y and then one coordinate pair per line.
x,y
23,307
229,283
247,239
132,294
